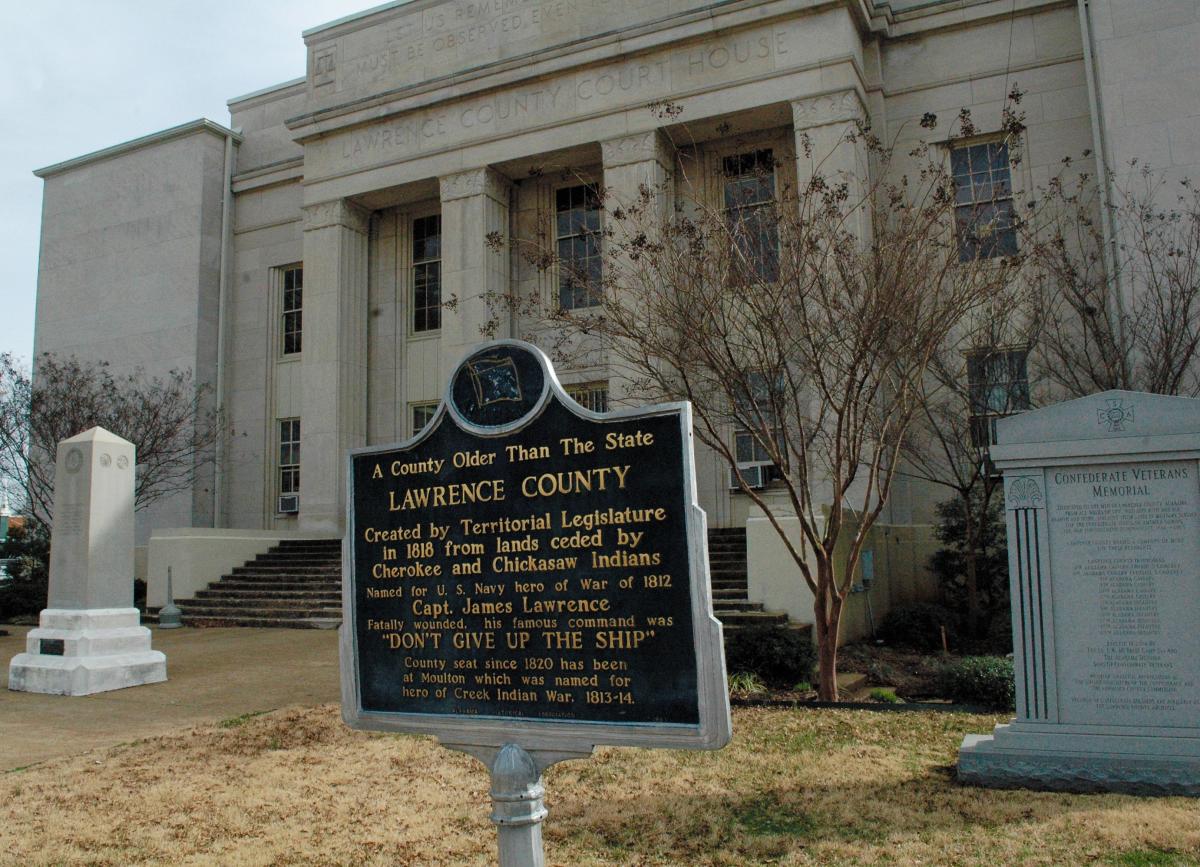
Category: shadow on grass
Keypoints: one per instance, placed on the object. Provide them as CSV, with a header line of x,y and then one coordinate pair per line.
x,y
669,827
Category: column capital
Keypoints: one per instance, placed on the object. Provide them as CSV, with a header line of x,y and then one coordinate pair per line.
x,y
484,181
340,212
837,107
638,148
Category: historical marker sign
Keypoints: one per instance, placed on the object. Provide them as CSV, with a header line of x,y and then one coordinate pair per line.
x,y
527,572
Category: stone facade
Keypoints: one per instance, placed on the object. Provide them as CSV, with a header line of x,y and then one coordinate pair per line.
x,y
471,112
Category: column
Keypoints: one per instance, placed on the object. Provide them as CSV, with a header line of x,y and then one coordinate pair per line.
x,y
334,406
821,124
631,162
475,261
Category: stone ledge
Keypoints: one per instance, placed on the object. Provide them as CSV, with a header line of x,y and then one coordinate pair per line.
x,y
980,763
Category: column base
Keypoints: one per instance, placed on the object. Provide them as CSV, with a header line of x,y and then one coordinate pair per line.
x,y
81,652
1033,760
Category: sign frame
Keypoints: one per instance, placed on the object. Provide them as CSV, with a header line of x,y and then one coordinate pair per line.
x,y
548,741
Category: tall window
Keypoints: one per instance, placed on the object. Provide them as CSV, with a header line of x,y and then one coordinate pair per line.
x,y
292,283
422,415
749,188
999,386
577,231
289,456
590,395
983,198
427,273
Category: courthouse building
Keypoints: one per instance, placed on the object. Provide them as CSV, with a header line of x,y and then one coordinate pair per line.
x,y
297,257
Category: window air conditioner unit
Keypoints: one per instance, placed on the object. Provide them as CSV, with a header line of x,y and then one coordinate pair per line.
x,y
289,504
755,476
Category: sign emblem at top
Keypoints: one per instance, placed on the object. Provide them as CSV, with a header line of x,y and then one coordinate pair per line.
x,y
1115,415
496,388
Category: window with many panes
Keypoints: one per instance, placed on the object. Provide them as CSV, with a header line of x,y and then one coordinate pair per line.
x,y
590,395
422,414
756,406
749,202
427,273
999,385
577,235
291,281
983,201
289,456
753,461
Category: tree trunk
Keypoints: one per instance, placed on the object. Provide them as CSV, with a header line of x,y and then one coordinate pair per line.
x,y
827,615
971,554
827,689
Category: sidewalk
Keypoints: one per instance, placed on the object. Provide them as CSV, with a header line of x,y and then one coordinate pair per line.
x,y
212,675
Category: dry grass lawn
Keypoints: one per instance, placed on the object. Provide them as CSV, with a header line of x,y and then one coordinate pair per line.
x,y
795,787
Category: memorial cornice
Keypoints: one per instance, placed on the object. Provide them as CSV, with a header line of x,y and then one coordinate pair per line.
x,y
336,213
652,145
839,107
474,182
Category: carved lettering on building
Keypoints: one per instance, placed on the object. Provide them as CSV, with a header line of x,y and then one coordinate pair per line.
x,y
606,88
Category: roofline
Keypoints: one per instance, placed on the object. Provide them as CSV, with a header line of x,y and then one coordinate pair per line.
x,y
345,19
265,90
192,126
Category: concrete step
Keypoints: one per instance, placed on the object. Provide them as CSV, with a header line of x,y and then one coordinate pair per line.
x,y
264,622
284,569
222,591
751,618
277,582
802,627
302,553
238,600
277,565
721,606
735,593
277,612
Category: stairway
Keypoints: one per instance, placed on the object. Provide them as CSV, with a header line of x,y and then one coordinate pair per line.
x,y
297,584
727,569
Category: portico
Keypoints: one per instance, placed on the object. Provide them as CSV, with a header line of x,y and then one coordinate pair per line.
x,y
493,140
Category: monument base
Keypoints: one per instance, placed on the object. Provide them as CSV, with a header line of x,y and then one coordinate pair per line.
x,y
80,652
1080,761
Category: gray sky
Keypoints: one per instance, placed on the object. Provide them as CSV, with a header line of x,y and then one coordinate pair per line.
x,y
87,74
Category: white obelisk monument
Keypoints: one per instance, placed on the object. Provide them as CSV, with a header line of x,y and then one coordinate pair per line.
x,y
90,638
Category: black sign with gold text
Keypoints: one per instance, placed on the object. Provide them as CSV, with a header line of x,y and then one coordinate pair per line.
x,y
523,559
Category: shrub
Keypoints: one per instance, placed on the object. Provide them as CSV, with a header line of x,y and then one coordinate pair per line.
x,y
781,657
982,680
24,593
744,684
949,564
919,626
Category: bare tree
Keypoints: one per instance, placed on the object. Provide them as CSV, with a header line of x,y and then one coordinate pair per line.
x,y
776,318
167,419
1119,285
